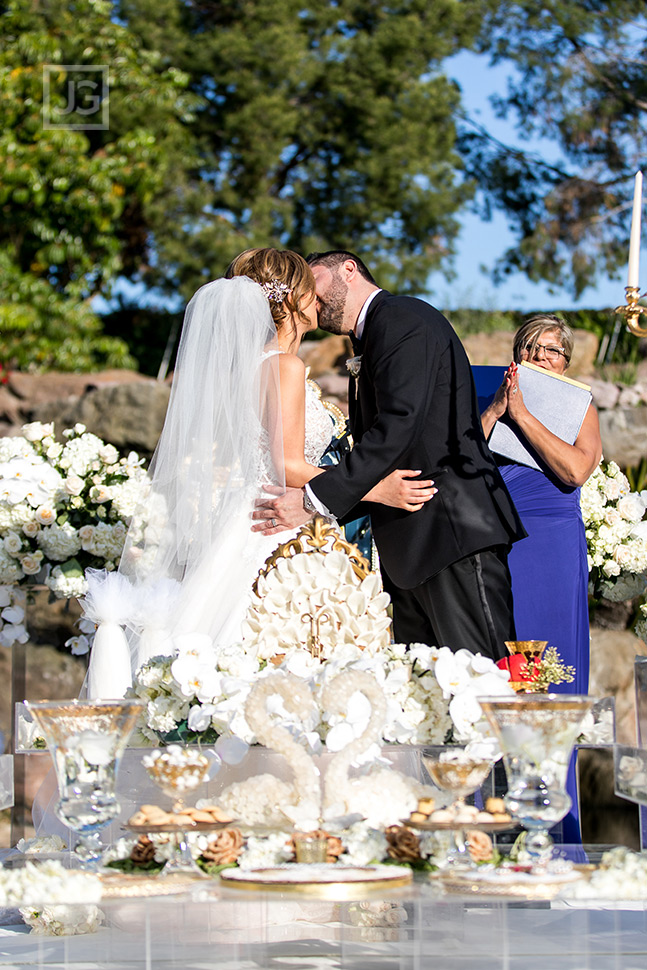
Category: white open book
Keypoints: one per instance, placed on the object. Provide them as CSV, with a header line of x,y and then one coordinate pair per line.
x,y
560,403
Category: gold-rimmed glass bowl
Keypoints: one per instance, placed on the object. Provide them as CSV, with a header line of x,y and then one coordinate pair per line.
x,y
536,733
454,769
178,771
86,740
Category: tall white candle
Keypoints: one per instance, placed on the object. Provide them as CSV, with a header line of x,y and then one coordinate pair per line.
x,y
634,239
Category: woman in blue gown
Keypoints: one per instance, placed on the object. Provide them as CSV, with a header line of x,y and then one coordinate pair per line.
x,y
549,568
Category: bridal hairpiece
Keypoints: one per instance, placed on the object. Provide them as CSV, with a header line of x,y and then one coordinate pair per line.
x,y
275,290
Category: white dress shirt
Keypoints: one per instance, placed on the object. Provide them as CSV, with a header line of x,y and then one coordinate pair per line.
x,y
359,330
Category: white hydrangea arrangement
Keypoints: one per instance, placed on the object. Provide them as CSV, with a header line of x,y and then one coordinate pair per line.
x,y
64,507
198,693
616,534
431,693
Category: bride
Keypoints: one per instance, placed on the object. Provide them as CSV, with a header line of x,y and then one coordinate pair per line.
x,y
241,420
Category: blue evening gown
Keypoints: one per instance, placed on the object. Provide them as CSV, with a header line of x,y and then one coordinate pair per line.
x,y
550,582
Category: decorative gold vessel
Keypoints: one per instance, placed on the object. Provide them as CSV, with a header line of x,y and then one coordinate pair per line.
x,y
532,650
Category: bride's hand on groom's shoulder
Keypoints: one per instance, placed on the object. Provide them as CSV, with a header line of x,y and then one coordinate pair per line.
x,y
282,509
402,489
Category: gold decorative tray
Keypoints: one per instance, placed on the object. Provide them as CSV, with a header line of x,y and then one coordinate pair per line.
x,y
461,826
326,880
545,886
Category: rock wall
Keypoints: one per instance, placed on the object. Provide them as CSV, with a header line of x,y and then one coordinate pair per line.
x,y
128,409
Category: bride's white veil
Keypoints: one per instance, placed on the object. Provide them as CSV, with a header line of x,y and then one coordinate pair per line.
x,y
190,548
222,433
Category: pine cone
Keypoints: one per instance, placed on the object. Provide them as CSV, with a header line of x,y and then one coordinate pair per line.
x,y
333,850
224,848
143,851
403,844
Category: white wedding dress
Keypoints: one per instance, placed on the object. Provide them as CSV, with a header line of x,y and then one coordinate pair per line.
x,y
191,557
215,600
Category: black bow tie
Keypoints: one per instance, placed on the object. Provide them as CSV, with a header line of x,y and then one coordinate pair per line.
x,y
356,342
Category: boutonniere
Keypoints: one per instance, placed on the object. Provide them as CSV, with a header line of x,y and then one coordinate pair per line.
x,y
353,366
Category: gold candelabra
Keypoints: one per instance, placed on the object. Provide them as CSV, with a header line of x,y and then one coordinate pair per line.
x,y
632,310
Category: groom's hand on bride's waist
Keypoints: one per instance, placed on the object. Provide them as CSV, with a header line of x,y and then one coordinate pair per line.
x,y
282,509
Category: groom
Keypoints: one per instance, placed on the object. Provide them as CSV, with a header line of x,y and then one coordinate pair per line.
x,y
413,405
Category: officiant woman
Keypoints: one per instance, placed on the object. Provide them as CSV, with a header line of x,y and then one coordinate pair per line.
x,y
549,569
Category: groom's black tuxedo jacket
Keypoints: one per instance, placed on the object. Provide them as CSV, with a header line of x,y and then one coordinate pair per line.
x,y
416,407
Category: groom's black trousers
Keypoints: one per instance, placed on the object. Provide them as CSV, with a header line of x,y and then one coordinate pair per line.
x,y
467,604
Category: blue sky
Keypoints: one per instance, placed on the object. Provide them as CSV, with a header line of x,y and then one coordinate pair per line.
x,y
481,243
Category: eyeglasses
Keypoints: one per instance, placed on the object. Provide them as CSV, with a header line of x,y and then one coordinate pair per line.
x,y
550,353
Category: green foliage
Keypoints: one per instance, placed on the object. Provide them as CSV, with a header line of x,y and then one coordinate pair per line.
x,y
146,330
637,475
129,865
570,214
242,124
466,321
319,126
73,202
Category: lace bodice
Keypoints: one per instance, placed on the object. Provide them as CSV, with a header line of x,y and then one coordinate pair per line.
x,y
319,426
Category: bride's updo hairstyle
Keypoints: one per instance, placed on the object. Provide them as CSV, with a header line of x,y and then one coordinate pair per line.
x,y
273,266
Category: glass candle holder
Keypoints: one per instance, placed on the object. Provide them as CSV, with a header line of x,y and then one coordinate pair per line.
x,y
537,733
86,741
311,847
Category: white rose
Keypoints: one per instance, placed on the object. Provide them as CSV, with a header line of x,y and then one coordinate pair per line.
x,y
12,543
100,493
612,489
73,484
611,568
30,529
31,563
54,450
86,535
631,507
45,515
108,454
37,431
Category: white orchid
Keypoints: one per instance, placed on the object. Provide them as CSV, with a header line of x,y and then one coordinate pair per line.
x,y
200,716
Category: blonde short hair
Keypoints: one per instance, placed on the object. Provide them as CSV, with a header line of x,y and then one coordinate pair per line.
x,y
266,265
531,330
